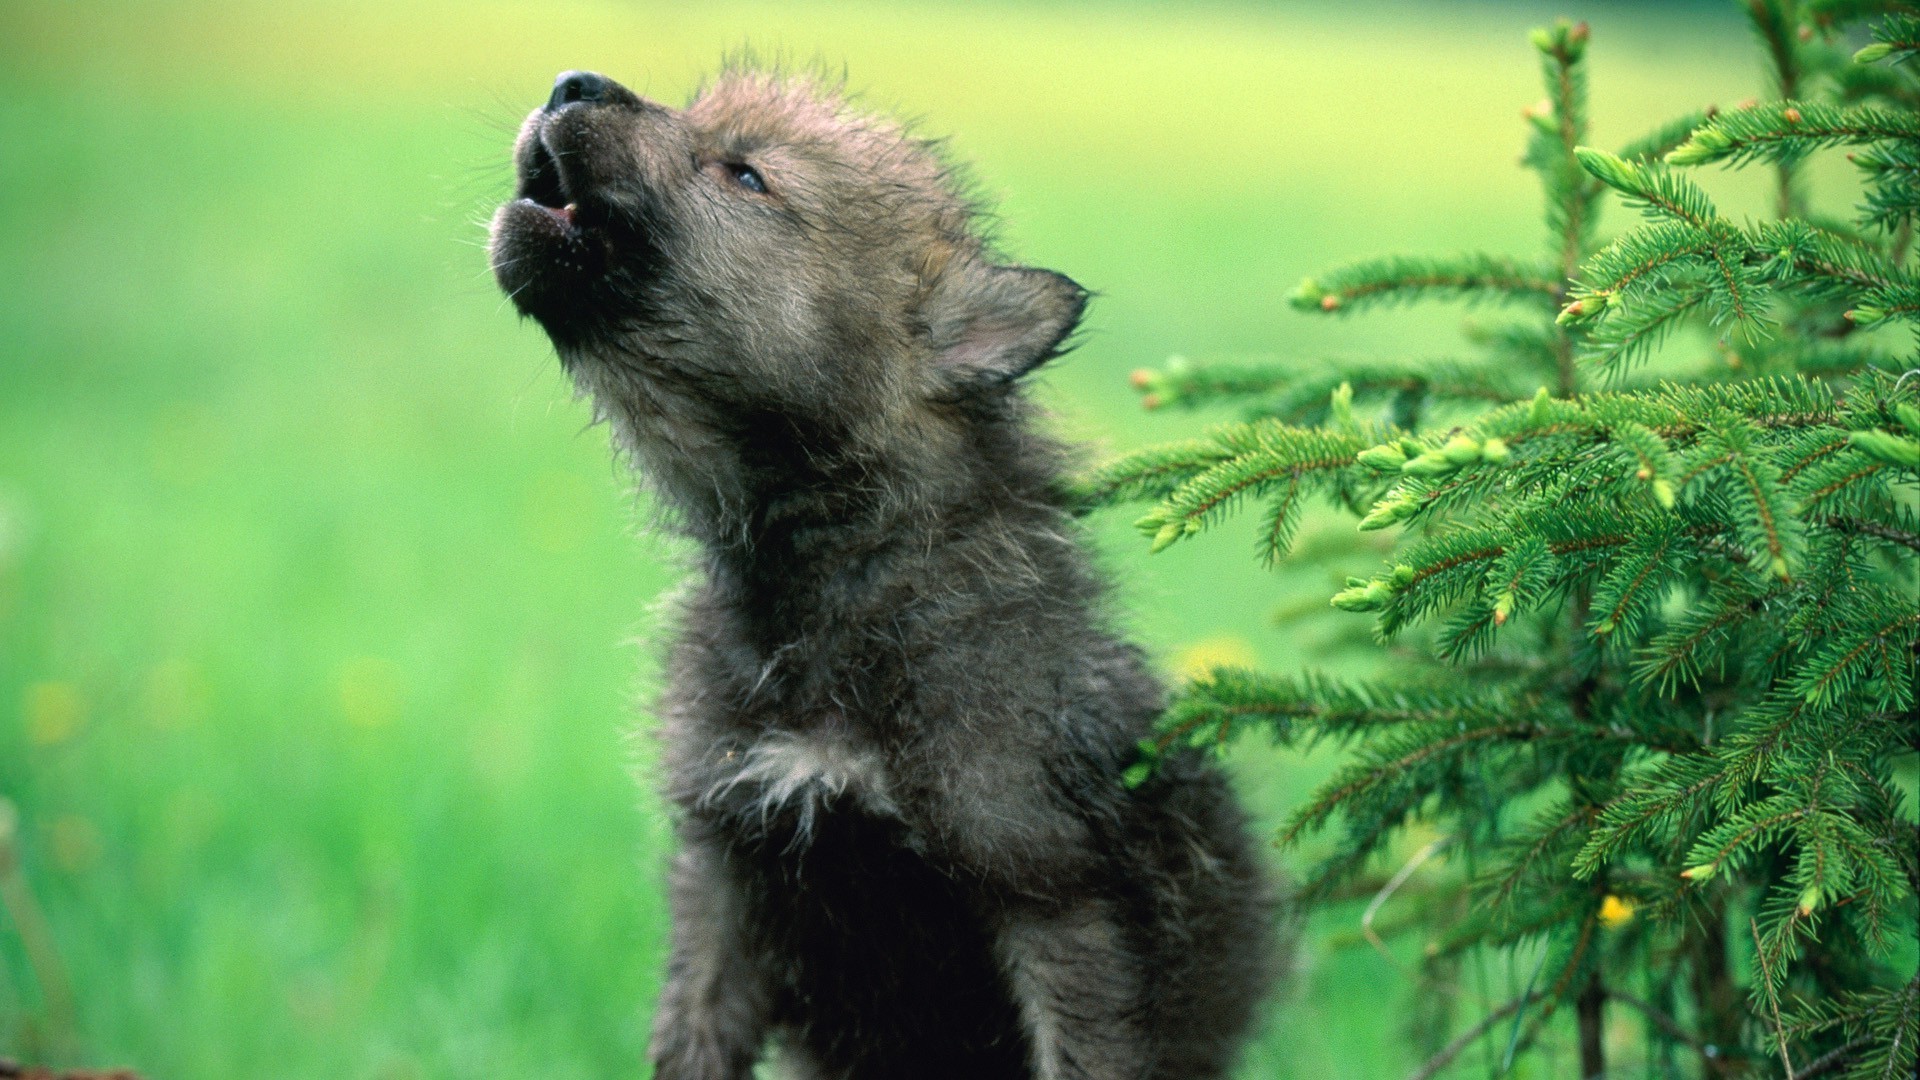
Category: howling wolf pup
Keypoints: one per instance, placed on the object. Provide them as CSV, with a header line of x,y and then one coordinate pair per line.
x,y
896,718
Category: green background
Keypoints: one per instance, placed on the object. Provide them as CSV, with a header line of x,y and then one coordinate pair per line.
x,y
319,598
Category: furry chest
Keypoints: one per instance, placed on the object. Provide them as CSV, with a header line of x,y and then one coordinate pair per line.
x,y
786,781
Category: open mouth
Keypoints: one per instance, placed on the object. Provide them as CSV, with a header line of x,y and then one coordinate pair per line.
x,y
543,184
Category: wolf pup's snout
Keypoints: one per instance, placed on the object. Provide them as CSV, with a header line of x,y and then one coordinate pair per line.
x,y
572,86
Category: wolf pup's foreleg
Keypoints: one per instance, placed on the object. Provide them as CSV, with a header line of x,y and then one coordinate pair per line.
x,y
712,1018
1079,989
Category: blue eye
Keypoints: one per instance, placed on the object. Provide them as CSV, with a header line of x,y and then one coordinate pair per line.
x,y
747,177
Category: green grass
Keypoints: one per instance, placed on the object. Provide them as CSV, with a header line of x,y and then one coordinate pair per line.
x,y
316,593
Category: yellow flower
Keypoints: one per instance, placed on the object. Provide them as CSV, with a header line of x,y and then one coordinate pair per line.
x,y
1615,911
1201,657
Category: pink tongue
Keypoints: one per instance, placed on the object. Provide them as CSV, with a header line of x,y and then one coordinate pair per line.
x,y
564,213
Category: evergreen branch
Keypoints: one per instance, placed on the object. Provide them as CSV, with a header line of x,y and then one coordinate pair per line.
x,y
1561,824
1778,131
1840,665
1367,776
1897,37
1763,518
1663,140
1904,537
1647,256
1572,200
1259,456
1152,473
1183,383
1301,393
1811,255
1822,449
1656,190
1641,571
1702,636
1643,809
1722,848
1394,279
1630,332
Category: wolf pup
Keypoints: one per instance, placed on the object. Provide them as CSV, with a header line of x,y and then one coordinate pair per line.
x,y
897,717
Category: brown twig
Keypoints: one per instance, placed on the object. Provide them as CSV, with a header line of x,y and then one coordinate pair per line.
x,y
1773,1000
1466,1038
1832,1059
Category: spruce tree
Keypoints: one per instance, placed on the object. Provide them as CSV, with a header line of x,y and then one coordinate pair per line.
x,y
1657,605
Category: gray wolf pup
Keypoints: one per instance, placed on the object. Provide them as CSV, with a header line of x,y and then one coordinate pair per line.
x,y
896,717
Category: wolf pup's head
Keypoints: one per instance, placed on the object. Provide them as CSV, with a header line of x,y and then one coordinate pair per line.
x,y
765,256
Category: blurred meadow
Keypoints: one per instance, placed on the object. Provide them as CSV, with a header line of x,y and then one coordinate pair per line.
x,y
319,598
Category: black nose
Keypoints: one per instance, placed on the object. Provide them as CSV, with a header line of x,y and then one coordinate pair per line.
x,y
574,86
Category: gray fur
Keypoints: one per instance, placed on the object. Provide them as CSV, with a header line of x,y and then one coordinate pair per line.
x,y
896,715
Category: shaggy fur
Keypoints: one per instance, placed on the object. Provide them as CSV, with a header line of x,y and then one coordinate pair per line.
x,y
896,717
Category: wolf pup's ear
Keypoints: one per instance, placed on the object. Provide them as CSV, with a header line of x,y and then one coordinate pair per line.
x,y
992,324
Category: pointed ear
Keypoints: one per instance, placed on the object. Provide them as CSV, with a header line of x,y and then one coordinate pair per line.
x,y
992,324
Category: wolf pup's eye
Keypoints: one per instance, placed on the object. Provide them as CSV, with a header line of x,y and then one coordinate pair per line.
x,y
747,177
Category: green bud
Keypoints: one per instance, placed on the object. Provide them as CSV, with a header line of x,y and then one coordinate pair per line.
x,y
1385,458
1307,295
1707,144
1494,451
1541,410
1171,531
1778,566
1136,774
1371,596
1866,315
1810,899
1431,463
1401,576
1542,38
1888,447
1908,416
1873,53
1609,170
1387,512
1663,493
1577,36
1461,450
1607,626
1340,408
1700,873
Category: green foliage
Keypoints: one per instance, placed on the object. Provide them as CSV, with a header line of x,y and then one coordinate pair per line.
x,y
1658,639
